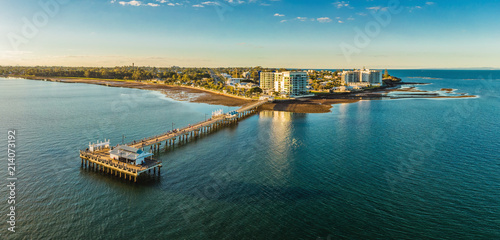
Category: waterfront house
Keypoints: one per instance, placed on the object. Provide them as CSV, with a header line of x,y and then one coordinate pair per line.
x,y
268,98
339,89
247,85
234,81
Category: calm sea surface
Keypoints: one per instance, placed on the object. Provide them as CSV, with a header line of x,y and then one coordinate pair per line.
x,y
388,169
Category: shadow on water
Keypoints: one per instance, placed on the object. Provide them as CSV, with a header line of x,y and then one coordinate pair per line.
x,y
115,181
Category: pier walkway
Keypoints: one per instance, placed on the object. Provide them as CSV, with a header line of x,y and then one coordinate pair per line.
x,y
99,158
196,129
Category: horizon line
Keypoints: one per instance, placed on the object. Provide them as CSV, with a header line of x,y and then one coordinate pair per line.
x,y
389,68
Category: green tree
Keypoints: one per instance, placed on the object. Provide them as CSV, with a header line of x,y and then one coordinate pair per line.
x,y
104,73
255,90
87,74
386,74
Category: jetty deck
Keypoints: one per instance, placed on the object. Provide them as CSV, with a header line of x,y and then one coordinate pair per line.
x,y
100,160
196,129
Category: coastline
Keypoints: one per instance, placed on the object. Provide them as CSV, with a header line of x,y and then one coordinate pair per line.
x,y
179,93
196,95
316,104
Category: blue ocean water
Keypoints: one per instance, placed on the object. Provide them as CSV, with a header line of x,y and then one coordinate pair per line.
x,y
386,169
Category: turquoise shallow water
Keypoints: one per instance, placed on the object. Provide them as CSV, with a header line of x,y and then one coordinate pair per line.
x,y
390,169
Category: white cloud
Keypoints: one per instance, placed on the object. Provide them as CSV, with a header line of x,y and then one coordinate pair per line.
x,y
377,8
279,15
414,8
341,4
174,4
301,18
16,53
157,3
373,8
209,3
324,19
237,1
131,3
138,3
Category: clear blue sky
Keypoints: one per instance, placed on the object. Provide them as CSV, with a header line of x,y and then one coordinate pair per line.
x,y
269,33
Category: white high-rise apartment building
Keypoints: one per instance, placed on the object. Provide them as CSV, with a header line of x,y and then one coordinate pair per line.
x,y
291,83
362,77
267,80
350,77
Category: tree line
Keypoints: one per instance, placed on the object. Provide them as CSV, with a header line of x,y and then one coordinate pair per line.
x,y
125,73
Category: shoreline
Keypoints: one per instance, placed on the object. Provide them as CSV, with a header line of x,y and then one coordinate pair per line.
x,y
179,93
185,93
315,104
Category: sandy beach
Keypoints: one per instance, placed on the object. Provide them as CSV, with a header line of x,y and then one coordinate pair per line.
x,y
175,92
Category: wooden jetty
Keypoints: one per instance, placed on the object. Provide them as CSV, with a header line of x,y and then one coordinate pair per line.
x,y
129,161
